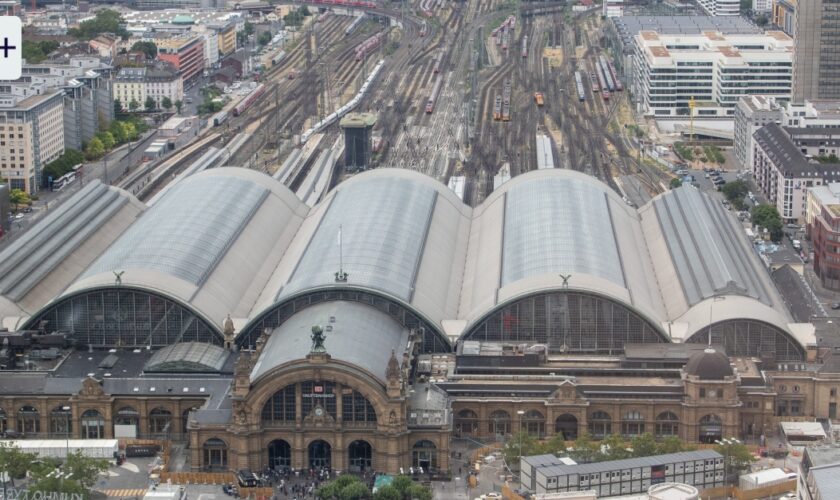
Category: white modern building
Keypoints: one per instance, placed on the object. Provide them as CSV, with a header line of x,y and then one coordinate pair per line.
x,y
755,111
762,6
613,8
720,7
714,69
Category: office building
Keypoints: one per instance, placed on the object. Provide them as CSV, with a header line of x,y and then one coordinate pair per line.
x,y
703,469
186,53
787,161
88,94
784,16
816,58
720,7
755,111
357,140
31,134
712,68
762,6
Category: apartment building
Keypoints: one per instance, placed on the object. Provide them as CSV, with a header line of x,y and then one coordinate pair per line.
x,y
720,7
157,81
31,134
753,112
823,224
816,58
713,68
186,53
783,15
784,165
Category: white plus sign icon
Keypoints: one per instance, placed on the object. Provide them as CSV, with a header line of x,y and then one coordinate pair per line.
x,y
11,42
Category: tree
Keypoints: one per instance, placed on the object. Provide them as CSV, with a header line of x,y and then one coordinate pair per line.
x,y
64,163
761,21
419,492
735,192
402,483
166,102
107,139
264,38
671,444
133,105
766,216
95,149
117,129
150,104
117,107
130,131
519,441
106,21
644,445
19,197
584,450
387,492
249,28
737,455
304,10
148,48
178,105
36,52
675,183
13,460
613,447
354,491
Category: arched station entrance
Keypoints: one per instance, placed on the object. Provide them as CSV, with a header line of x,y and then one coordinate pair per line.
x,y
360,455
567,425
320,454
279,454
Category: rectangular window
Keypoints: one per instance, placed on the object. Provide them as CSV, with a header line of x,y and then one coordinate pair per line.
x,y
702,392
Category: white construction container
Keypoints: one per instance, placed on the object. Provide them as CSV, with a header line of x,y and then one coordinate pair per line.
x,y
57,448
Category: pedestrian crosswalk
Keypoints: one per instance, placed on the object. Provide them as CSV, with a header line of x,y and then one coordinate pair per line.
x,y
125,492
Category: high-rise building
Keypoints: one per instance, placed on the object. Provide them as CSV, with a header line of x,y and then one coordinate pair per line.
x,y
186,53
816,56
357,128
31,135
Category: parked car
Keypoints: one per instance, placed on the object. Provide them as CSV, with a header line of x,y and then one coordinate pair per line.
x,y
835,305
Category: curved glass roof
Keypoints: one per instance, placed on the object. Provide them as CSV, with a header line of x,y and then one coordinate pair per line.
x,y
187,357
187,232
384,224
559,225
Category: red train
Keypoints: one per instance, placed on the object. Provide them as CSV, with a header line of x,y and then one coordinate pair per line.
x,y
368,46
430,104
438,61
248,100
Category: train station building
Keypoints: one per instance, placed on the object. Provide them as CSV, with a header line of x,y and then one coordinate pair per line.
x,y
368,330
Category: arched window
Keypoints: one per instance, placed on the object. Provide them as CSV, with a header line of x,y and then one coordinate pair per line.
x,y
534,423
160,422
3,423
215,455
711,429
280,408
93,425
424,454
633,423
356,410
61,424
127,416
667,424
28,420
500,423
600,424
466,422
360,456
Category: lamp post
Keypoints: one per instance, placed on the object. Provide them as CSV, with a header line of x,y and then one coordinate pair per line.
x,y
66,410
520,413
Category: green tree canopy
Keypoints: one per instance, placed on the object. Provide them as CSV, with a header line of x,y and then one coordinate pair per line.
x,y
675,183
64,163
106,21
95,149
419,492
133,105
36,52
107,140
19,197
735,192
178,105
117,107
387,492
150,104
148,48
766,216
264,38
166,103
12,459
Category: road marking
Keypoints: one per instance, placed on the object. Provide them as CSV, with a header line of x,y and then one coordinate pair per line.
x,y
126,492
